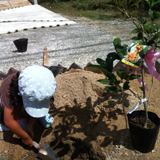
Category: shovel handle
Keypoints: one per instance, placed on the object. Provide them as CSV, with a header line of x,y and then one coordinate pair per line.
x,y
36,145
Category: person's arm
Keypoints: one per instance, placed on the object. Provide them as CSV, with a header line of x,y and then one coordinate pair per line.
x,y
30,126
15,127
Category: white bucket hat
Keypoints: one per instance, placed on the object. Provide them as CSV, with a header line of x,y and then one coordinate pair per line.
x,y
36,86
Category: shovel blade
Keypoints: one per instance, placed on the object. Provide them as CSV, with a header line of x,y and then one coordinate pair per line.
x,y
49,154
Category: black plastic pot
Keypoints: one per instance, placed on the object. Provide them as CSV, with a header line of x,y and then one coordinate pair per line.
x,y
143,140
21,44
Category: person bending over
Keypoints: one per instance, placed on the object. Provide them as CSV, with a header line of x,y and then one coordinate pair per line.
x,y
24,98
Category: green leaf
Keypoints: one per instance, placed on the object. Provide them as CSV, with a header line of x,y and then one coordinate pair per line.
x,y
126,85
152,3
101,62
144,20
104,81
148,28
109,64
112,89
122,74
150,42
135,30
121,50
135,38
93,66
117,42
134,3
142,88
151,28
133,76
153,14
150,12
156,27
115,82
111,76
145,49
113,56
148,1
154,39
125,46
139,35
99,68
156,36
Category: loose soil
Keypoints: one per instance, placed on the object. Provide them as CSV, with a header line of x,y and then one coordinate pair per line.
x,y
140,122
89,123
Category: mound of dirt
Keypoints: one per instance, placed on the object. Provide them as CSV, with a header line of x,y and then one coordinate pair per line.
x,y
86,116
90,123
76,86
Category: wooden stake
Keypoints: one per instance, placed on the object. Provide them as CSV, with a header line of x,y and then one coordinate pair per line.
x,y
45,58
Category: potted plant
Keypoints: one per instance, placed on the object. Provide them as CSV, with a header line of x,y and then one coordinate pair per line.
x,y
143,125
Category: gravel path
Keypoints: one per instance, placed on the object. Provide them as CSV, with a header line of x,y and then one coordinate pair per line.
x,y
118,27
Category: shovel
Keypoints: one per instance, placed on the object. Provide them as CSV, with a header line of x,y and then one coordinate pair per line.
x,y
45,153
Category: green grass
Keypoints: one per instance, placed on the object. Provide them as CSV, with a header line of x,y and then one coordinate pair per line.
x,y
93,9
69,9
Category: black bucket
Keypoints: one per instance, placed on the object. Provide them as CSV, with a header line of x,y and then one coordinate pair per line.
x,y
21,44
143,140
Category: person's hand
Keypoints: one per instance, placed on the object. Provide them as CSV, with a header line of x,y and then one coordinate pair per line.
x,y
27,141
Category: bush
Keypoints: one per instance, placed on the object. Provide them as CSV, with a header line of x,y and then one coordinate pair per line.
x,y
89,5
51,1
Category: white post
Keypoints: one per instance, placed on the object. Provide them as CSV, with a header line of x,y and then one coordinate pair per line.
x,y
35,2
